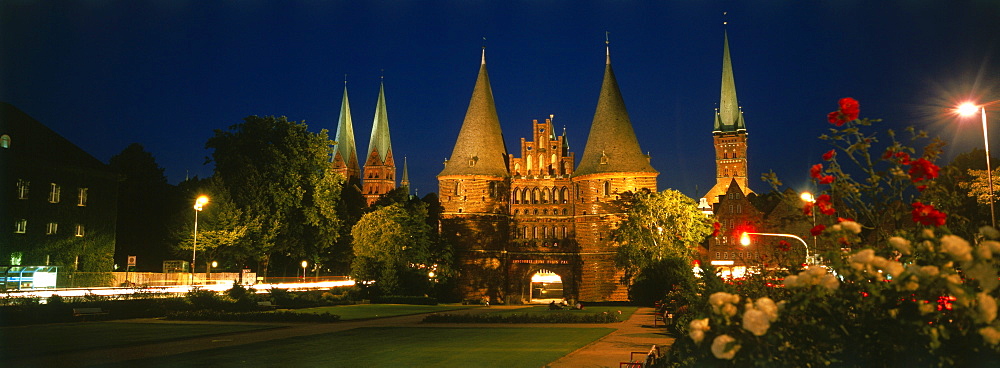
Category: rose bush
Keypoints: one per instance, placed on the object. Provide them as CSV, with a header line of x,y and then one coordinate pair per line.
x,y
910,293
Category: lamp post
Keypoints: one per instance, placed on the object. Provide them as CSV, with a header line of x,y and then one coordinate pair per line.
x,y
198,205
304,265
967,109
745,241
808,198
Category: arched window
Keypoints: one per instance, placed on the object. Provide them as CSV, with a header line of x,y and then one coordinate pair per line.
x,y
565,212
517,168
545,196
541,162
534,195
534,232
5,141
565,194
529,163
607,188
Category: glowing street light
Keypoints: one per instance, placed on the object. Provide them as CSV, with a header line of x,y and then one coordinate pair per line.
x,y
304,265
745,241
968,109
808,198
198,205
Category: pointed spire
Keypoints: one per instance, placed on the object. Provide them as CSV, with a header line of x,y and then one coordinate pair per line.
x,y
729,117
479,149
380,128
406,177
607,48
346,146
612,145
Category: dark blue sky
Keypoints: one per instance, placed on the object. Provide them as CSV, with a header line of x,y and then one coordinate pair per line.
x,y
165,74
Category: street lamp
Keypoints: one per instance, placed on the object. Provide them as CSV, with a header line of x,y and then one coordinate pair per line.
x,y
808,198
304,265
198,205
967,109
745,241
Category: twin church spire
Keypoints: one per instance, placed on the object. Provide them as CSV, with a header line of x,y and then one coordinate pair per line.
x,y
380,168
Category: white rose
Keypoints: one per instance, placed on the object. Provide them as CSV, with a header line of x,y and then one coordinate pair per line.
x,y
989,333
864,256
792,281
929,271
830,282
893,268
718,299
993,245
729,310
983,251
987,308
901,244
767,306
989,232
756,321
958,248
697,336
851,226
928,308
725,347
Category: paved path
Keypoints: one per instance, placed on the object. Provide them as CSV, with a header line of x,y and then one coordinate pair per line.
x,y
636,334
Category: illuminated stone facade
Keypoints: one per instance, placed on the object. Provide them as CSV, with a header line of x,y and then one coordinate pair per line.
x,y
513,217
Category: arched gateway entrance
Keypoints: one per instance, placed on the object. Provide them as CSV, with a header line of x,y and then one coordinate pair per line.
x,y
546,286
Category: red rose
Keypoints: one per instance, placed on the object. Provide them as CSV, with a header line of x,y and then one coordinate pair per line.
x,y
818,229
904,158
850,108
807,209
836,118
829,155
921,187
844,219
922,169
825,207
784,246
926,215
826,179
816,171
888,154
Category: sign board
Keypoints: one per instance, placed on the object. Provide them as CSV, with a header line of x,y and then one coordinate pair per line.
x,y
131,261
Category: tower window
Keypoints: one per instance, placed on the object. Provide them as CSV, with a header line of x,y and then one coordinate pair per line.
x,y
21,226
52,228
5,141
79,230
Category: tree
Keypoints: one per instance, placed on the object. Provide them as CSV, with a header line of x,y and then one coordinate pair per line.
x,y
658,226
223,228
961,192
279,175
392,247
145,204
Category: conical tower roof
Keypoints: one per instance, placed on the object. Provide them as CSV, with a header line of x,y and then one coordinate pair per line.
x,y
380,128
728,118
612,145
406,177
480,149
345,135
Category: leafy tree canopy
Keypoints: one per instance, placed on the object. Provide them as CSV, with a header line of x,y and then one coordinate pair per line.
x,y
392,246
658,226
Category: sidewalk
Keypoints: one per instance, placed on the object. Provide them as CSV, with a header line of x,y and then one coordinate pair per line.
x,y
637,334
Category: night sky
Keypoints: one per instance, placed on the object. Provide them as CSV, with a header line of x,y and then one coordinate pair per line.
x,y
165,74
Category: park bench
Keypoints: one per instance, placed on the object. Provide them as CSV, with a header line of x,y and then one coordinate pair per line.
x,y
87,312
641,359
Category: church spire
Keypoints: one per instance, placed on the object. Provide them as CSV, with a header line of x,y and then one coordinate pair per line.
x,y
612,145
380,141
405,182
346,152
729,117
480,149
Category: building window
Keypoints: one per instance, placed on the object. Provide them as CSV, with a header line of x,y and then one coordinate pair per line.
x,y
52,228
22,189
79,230
82,197
607,188
716,255
54,193
5,141
21,226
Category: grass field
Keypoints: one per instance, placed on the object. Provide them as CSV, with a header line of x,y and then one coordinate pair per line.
x,y
23,341
362,311
397,347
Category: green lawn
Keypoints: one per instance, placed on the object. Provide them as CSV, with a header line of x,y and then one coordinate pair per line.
x,y
544,309
362,311
35,340
397,347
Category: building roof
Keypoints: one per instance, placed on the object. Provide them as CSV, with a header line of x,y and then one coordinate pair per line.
x,y
34,143
729,117
480,149
346,146
380,141
612,145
